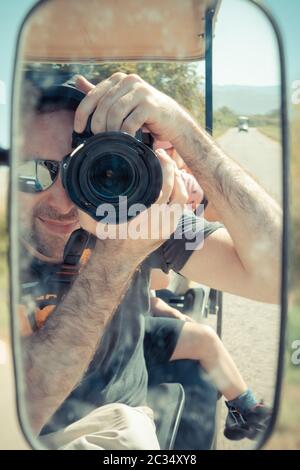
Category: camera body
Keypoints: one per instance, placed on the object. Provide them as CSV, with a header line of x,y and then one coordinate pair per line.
x,y
110,172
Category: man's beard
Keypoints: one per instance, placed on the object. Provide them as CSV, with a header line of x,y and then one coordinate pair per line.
x,y
50,245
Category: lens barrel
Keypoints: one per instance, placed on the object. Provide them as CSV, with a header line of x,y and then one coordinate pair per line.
x,y
110,166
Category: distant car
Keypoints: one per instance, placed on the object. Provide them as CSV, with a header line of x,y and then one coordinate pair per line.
x,y
243,124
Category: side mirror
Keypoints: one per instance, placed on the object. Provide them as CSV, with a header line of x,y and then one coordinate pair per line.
x,y
64,372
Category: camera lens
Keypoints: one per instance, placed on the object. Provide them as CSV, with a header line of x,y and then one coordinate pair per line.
x,y
111,176
107,167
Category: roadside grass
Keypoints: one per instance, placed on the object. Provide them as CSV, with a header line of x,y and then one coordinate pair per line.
x,y
4,318
295,200
3,278
293,333
287,435
218,131
273,132
223,119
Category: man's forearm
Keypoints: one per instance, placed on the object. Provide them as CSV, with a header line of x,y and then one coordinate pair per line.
x,y
57,355
252,218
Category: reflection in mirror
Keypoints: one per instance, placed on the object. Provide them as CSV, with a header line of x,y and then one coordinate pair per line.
x,y
247,127
117,255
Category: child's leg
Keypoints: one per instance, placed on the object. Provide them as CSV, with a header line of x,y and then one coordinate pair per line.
x,y
246,417
200,342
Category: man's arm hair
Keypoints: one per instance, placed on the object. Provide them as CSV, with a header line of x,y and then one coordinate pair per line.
x,y
58,354
252,218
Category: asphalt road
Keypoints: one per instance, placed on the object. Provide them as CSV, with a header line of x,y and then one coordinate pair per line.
x,y
251,329
258,154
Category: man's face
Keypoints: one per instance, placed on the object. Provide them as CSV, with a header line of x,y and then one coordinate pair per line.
x,y
48,218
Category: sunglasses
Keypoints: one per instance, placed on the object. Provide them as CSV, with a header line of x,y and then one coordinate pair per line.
x,y
37,175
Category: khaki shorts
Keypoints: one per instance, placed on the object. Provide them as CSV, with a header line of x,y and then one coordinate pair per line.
x,y
111,427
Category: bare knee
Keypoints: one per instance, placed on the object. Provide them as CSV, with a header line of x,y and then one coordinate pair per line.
x,y
195,340
201,333
207,333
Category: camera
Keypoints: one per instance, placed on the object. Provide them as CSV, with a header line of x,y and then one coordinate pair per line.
x,y
110,168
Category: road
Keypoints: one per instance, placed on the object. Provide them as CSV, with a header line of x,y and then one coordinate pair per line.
x,y
258,154
251,329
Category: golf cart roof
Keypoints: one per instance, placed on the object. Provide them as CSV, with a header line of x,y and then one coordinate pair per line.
x,y
92,31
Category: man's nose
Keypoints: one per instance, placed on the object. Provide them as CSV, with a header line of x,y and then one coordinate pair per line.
x,y
58,198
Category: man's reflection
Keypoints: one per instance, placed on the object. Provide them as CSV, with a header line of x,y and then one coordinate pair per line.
x,y
94,344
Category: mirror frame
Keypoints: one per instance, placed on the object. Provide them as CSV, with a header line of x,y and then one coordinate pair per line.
x,y
13,242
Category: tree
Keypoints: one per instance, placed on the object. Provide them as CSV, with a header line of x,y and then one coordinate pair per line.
x,y
180,80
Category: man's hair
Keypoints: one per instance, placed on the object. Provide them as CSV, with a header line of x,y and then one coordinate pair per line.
x,y
47,100
54,106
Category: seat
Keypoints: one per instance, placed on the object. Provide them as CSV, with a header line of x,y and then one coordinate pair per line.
x,y
196,428
193,302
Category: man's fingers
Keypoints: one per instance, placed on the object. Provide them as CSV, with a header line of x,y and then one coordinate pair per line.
x,y
83,84
113,108
179,194
134,121
168,176
91,100
89,104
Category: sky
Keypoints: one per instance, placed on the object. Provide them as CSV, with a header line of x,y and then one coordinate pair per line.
x,y
244,52
243,41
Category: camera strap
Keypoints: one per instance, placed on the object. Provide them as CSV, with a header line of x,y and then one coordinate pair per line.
x,y
145,137
46,284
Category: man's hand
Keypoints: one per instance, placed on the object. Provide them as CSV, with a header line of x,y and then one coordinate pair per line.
x,y
155,224
127,103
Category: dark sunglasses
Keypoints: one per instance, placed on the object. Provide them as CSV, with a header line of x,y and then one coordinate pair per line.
x,y
37,175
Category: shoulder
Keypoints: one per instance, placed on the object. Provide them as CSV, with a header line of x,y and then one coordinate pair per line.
x,y
190,232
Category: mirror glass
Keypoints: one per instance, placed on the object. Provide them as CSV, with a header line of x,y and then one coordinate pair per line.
x,y
247,126
119,328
